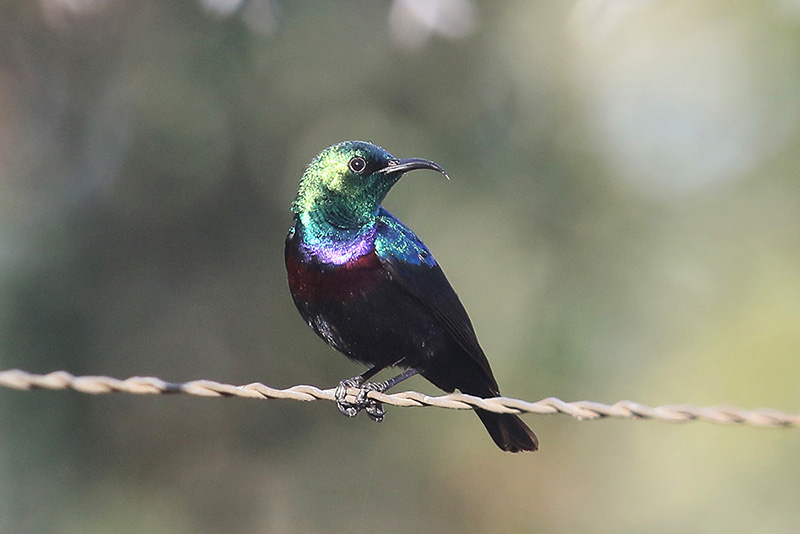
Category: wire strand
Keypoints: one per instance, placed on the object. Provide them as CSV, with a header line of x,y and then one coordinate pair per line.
x,y
582,410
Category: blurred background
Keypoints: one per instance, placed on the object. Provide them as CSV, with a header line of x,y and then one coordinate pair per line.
x,y
623,223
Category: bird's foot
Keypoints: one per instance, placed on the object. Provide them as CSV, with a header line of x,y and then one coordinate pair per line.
x,y
374,408
349,409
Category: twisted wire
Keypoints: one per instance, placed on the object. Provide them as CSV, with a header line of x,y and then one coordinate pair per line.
x,y
582,410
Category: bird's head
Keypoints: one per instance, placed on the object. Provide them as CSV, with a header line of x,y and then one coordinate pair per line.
x,y
346,182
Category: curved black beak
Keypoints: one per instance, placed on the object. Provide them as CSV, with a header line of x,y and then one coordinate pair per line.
x,y
411,164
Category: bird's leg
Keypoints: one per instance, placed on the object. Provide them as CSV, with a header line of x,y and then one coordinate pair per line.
x,y
351,410
374,408
392,382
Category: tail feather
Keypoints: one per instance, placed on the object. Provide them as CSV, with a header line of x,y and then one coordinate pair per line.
x,y
508,431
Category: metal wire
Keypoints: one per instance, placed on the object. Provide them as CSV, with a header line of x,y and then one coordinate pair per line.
x,y
582,410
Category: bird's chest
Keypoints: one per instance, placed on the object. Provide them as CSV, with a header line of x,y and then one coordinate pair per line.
x,y
311,280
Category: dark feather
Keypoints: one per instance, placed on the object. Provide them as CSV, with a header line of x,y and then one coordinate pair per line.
x,y
429,287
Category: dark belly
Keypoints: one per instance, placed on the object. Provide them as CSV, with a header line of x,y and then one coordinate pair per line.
x,y
360,311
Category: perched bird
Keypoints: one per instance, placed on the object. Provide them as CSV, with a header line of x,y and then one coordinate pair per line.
x,y
368,286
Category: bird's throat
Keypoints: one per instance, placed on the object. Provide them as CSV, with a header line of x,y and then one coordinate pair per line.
x,y
322,241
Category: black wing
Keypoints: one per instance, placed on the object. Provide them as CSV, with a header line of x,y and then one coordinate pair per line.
x,y
430,288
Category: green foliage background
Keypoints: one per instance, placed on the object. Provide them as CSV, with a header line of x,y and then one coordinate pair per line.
x,y
623,222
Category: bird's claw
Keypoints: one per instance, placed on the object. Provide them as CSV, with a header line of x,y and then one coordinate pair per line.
x,y
374,409
349,409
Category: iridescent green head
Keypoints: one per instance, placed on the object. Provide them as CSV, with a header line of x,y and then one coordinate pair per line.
x,y
345,184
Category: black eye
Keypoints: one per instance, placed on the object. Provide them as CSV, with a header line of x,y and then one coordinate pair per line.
x,y
357,164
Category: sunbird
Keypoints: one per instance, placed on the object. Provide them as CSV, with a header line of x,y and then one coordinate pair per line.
x,y
369,287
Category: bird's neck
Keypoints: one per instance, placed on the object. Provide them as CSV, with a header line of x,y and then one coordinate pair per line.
x,y
333,239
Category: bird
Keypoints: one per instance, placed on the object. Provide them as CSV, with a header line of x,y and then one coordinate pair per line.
x,y
370,288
